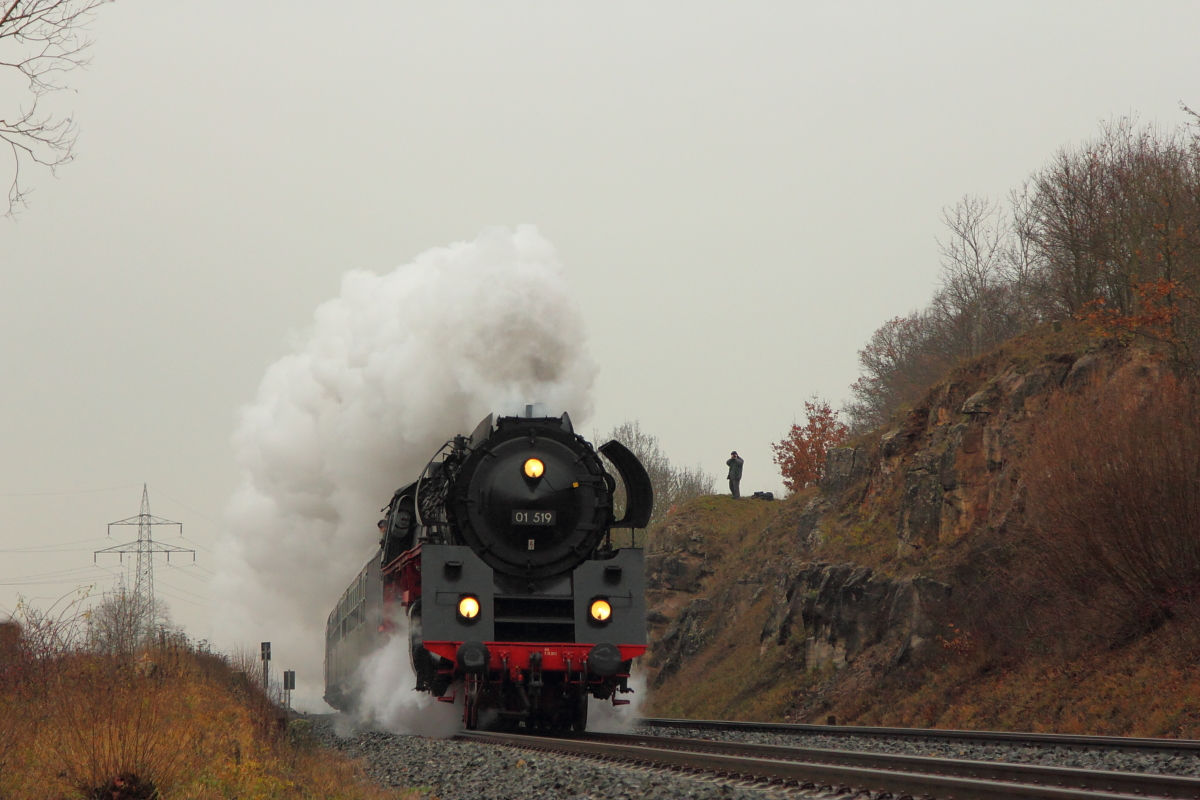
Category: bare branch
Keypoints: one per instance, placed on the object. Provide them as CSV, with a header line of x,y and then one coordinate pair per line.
x,y
41,41
672,484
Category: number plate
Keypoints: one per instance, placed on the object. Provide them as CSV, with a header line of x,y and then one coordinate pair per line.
x,y
534,518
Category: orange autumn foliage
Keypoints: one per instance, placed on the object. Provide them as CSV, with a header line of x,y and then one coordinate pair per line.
x,y
1157,305
801,454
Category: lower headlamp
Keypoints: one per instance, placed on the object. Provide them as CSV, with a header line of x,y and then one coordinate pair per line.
x,y
468,608
600,610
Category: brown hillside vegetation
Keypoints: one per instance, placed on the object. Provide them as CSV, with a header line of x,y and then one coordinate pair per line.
x,y
1108,230
173,722
1014,551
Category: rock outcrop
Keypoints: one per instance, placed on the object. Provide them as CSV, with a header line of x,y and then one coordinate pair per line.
x,y
929,489
839,611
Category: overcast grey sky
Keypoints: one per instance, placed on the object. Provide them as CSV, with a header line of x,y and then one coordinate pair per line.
x,y
740,194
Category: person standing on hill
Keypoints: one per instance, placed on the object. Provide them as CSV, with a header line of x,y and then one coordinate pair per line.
x,y
735,463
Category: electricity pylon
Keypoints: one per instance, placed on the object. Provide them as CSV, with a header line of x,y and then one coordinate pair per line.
x,y
145,547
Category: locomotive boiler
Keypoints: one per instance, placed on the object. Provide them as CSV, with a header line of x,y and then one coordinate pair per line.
x,y
501,559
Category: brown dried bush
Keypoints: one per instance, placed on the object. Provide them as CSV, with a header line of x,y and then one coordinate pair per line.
x,y
1113,499
169,720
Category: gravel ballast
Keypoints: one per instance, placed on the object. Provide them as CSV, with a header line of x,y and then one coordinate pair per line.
x,y
1044,755
453,770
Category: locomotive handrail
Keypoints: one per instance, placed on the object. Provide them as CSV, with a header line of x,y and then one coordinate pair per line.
x,y
421,477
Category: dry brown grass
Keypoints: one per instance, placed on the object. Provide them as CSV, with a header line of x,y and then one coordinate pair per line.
x,y
724,524
743,540
171,723
738,682
1148,688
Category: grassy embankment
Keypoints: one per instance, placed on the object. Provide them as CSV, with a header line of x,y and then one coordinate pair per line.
x,y
729,678
171,723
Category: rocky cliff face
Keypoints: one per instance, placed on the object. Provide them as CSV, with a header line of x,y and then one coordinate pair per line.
x,y
866,572
841,611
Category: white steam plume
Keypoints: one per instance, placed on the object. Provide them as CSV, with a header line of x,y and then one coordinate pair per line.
x,y
604,717
392,367
387,701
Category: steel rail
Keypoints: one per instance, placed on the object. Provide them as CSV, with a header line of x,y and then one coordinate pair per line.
x,y
1152,784
1189,746
808,774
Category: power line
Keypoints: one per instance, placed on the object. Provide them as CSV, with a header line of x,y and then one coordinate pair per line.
x,y
60,494
67,576
197,513
188,573
58,573
202,547
185,591
185,600
46,548
75,581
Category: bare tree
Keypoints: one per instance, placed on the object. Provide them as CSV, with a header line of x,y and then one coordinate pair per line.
x,y
1099,224
672,485
973,297
904,356
40,41
1026,272
116,624
121,623
1115,212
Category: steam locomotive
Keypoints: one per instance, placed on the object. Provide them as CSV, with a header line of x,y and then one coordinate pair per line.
x,y
500,556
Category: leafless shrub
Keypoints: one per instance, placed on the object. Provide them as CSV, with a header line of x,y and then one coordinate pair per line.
x,y
117,624
99,714
32,648
1113,497
111,719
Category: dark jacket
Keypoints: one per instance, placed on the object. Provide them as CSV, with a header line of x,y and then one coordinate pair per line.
x,y
735,468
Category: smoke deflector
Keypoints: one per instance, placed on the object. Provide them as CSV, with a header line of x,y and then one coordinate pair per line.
x,y
639,493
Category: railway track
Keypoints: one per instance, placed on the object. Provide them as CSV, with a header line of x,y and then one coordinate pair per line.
x,y
854,772
1121,743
